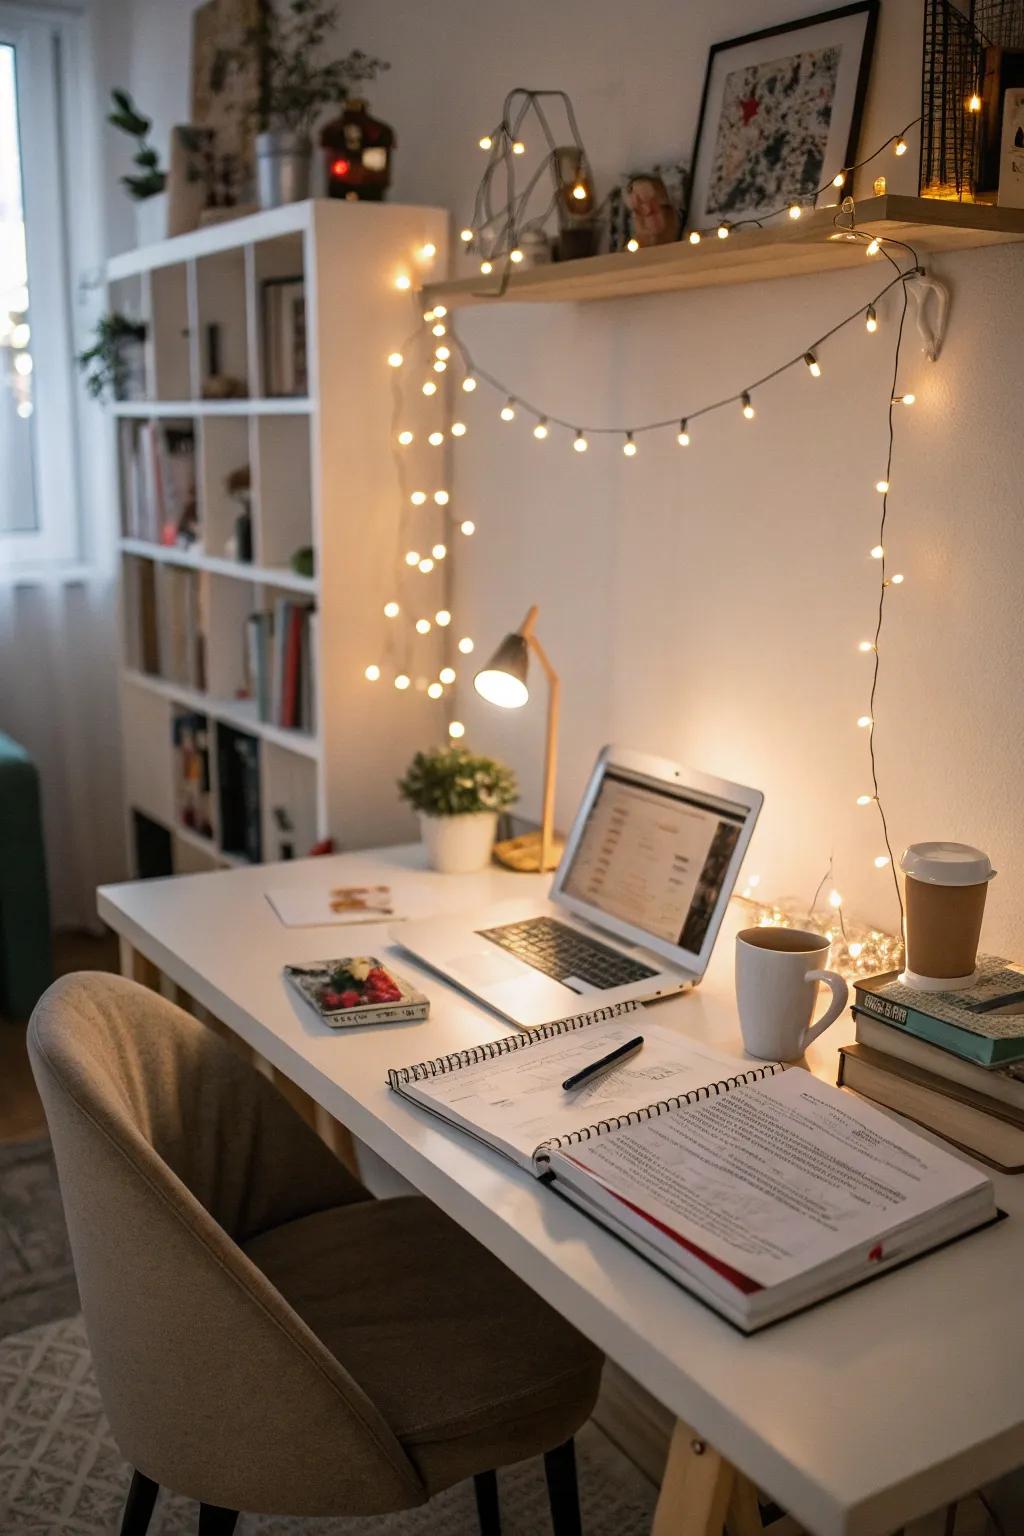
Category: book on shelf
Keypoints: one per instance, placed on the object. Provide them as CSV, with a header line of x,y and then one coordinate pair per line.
x,y
986,1127
192,799
760,1190
284,337
982,1023
179,627
280,652
158,481
1004,1084
238,775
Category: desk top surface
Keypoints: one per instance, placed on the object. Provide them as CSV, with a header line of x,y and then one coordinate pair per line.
x,y
864,1412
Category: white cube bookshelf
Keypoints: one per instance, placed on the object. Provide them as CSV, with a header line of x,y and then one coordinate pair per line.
x,y
322,474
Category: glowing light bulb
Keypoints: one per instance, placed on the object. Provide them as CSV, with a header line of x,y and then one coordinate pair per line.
x,y
468,527
395,359
632,244
508,411
391,610
900,147
456,729
795,210
465,235
835,900
486,268
469,383
405,438
854,949
839,179
903,399
441,498
974,103
864,721
466,645
540,431
629,447
865,646
434,691
683,435
878,552
694,237
403,281
865,799
580,443
458,429
439,551
435,439
428,251
442,354
25,409
813,366
402,682
881,861
871,319
372,674
515,255
447,676
748,409
881,486
440,365
579,192
722,231
442,618
423,626
426,565
429,387
428,315
485,141
440,329
418,498
23,364
873,247
897,580
518,147
440,310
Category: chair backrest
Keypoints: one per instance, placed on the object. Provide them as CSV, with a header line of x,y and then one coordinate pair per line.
x,y
171,1150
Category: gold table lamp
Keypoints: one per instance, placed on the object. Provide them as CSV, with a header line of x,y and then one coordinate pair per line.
x,y
503,682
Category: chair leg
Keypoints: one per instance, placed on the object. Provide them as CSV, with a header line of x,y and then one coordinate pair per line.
x,y
487,1509
138,1508
563,1493
214,1521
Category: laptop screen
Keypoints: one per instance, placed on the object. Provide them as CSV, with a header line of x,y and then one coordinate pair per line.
x,y
655,855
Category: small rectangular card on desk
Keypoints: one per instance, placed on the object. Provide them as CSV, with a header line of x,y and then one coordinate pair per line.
x,y
357,990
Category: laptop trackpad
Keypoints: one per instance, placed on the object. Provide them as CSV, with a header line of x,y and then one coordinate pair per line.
x,y
482,968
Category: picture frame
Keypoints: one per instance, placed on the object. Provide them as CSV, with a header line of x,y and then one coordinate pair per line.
x,y
780,115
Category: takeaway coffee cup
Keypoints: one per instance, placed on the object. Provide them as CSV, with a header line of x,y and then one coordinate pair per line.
x,y
946,885
777,976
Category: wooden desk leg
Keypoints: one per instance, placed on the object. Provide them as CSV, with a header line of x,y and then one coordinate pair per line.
x,y
696,1487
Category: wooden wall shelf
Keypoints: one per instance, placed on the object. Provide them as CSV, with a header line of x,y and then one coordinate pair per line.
x,y
791,248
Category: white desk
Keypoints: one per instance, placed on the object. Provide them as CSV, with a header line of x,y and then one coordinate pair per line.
x,y
858,1416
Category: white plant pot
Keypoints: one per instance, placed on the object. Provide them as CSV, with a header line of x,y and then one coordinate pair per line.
x,y
459,845
151,219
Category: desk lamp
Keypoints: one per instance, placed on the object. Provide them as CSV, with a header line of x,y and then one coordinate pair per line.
x,y
503,682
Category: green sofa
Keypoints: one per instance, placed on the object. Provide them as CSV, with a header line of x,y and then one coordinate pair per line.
x,y
26,963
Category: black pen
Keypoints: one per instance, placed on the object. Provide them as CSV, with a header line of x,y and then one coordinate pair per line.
x,y
602,1064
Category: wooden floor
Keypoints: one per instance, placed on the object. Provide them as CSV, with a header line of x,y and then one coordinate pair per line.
x,y
21,1114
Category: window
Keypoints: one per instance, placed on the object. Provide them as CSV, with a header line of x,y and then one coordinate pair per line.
x,y
38,469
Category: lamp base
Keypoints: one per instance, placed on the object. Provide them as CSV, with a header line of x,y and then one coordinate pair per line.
x,y
523,853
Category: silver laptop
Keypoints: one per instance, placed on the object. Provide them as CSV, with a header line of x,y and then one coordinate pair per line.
x,y
634,907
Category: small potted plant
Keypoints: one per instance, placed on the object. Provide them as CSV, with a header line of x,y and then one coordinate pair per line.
x,y
147,184
457,796
114,365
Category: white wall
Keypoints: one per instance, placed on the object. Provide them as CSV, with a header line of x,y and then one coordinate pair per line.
x,y
708,605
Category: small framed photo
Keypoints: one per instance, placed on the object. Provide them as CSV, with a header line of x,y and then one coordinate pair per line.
x,y
1011,165
780,115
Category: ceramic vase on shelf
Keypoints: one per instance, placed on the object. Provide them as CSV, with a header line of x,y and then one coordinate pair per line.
x,y
283,161
459,845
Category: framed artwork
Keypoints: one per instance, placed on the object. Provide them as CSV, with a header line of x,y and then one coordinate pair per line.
x,y
780,114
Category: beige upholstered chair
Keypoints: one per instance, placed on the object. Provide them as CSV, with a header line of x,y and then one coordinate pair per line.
x,y
266,1335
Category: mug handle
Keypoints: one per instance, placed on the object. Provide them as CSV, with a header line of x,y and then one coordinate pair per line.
x,y
840,998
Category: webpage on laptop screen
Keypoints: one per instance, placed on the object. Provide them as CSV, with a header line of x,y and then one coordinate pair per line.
x,y
655,856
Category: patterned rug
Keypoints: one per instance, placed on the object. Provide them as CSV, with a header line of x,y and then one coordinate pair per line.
x,y
60,1471
37,1282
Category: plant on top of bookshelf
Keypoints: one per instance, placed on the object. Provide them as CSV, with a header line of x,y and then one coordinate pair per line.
x,y
113,364
149,180
458,796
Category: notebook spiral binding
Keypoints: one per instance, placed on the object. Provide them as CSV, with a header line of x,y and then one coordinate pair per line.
x,y
652,1111
492,1048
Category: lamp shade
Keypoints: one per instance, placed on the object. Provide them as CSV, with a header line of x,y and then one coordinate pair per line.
x,y
503,680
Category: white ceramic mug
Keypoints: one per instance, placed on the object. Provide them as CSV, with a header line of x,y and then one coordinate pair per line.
x,y
777,975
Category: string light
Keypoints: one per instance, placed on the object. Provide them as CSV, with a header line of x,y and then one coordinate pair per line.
x,y
903,399
440,329
418,498
412,557
456,729
839,179
813,366
629,446
391,610
580,443
372,674
435,439
632,244
429,387
540,431
486,141
864,721
508,410
882,487
441,498
878,552
428,315
405,438
515,255
466,646
402,682
873,247
722,231
795,210
403,281
442,618
748,409
865,799
428,251
469,383
974,103
447,676
440,365
694,237
466,236
458,429
518,147
871,319
395,359
865,646
579,192
900,147
434,691
442,354
881,861
486,268
423,626
835,900
439,551
896,580
468,528
426,565
683,435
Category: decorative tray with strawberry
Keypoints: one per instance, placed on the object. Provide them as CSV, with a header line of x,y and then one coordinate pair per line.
x,y
360,990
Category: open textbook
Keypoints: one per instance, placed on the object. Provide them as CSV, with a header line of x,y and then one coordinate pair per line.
x,y
761,1191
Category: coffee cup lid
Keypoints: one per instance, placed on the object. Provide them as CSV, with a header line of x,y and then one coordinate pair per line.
x,y
946,864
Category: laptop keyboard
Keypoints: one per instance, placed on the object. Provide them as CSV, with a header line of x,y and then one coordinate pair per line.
x,y
561,952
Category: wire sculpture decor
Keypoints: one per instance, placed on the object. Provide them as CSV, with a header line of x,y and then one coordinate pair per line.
x,y
962,81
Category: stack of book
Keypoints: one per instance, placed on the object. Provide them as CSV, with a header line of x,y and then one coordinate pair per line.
x,y
951,1061
158,479
281,647
191,736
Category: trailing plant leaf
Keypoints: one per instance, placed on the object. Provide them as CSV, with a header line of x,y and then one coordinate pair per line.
x,y
104,363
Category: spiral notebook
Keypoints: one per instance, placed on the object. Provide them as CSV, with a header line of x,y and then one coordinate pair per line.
x,y
759,1189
